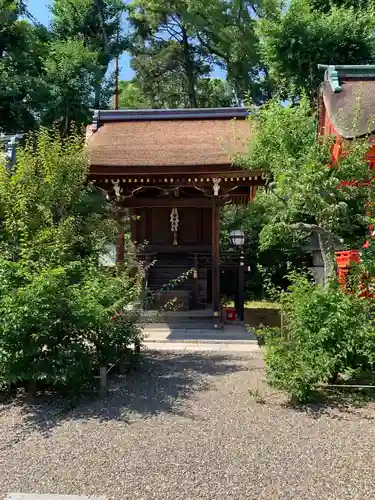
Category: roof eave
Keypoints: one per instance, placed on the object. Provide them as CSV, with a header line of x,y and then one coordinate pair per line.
x,y
334,73
351,70
125,115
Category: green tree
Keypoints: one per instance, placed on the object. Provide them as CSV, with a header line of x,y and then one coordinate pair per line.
x,y
211,93
165,51
46,205
21,52
56,302
69,77
214,93
294,41
227,30
306,195
325,5
130,96
98,23
175,44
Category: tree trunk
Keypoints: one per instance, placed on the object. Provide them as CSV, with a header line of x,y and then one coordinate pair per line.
x,y
65,130
189,66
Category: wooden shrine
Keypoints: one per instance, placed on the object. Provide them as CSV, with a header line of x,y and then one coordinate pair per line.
x,y
172,170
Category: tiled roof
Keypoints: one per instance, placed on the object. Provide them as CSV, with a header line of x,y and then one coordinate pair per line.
x,y
167,140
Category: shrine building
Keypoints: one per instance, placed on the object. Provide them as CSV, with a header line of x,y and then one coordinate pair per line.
x,y
347,112
172,171
347,105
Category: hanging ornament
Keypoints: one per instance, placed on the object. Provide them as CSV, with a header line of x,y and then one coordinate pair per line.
x,y
216,186
174,224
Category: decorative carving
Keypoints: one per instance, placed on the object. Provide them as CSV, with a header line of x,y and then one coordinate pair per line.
x,y
205,191
216,186
117,189
174,224
140,188
332,76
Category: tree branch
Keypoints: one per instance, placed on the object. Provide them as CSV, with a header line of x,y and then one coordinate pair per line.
x,y
102,26
173,34
211,48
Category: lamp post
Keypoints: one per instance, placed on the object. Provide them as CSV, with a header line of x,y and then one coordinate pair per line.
x,y
237,239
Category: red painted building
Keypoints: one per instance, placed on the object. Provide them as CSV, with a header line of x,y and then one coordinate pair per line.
x,y
347,105
347,112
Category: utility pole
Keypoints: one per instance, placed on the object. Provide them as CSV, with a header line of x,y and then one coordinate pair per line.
x,y
116,83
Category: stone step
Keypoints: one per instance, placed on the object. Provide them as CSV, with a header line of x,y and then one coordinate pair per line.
x,y
227,335
182,318
193,314
234,348
179,325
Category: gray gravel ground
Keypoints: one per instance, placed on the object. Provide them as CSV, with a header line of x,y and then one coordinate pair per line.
x,y
185,427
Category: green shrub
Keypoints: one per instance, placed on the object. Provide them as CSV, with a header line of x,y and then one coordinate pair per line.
x,y
106,311
62,315
325,333
59,325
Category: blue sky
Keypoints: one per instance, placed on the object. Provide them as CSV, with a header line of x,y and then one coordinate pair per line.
x,y
39,9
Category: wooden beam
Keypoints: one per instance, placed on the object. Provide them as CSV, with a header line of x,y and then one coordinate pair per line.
x,y
185,170
216,262
168,202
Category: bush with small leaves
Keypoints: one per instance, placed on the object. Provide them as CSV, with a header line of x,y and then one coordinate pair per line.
x,y
56,301
326,332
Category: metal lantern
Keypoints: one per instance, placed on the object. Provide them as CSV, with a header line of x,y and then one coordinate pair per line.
x,y
237,238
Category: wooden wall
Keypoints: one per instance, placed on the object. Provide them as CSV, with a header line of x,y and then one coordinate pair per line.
x,y
154,226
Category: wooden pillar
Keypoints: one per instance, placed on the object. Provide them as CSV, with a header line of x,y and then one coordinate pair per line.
x,y
216,263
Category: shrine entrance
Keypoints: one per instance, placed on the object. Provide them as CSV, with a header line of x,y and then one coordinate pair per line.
x,y
172,170
179,242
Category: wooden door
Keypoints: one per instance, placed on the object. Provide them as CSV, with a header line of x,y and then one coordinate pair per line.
x,y
206,222
189,226
159,226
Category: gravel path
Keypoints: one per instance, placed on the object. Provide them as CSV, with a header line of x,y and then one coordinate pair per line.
x,y
185,428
